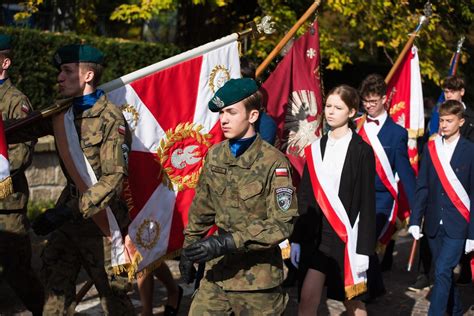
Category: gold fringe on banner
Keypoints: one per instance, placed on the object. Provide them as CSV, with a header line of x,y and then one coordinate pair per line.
x,y
132,268
355,290
6,187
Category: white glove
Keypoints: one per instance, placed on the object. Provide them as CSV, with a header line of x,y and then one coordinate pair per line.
x,y
414,230
295,253
362,263
469,246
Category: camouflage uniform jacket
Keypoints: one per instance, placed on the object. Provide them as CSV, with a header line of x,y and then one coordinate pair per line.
x,y
15,105
105,141
253,198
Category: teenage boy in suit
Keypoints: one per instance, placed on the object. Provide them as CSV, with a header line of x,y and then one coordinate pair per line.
x,y
444,190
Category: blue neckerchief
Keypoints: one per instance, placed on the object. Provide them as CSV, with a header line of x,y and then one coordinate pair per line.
x,y
3,80
239,146
85,102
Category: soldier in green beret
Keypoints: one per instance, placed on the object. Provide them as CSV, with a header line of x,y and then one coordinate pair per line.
x,y
15,246
92,140
245,189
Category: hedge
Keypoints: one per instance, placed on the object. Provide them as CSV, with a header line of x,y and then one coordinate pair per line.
x,y
33,73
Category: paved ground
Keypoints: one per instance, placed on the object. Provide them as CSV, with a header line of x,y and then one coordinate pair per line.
x,y
397,301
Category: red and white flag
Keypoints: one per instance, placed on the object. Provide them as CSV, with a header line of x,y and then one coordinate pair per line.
x,y
6,185
292,96
172,131
405,96
406,101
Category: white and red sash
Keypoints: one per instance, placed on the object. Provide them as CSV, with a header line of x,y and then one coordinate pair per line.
x,y
385,173
332,207
450,182
83,176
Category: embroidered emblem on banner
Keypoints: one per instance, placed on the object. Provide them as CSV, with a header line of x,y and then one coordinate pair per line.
x,y
301,122
181,155
148,233
219,75
131,116
284,197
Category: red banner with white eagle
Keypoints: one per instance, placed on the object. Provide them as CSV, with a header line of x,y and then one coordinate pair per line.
x,y
172,131
292,95
6,185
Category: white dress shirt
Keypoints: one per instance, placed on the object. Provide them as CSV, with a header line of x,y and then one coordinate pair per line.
x,y
373,127
334,157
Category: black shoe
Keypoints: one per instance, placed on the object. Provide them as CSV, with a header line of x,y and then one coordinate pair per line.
x,y
170,310
422,282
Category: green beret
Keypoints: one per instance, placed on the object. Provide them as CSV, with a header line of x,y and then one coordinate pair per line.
x,y
5,42
77,54
231,92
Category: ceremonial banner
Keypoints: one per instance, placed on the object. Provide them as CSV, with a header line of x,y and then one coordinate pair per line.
x,y
172,131
405,95
6,185
292,96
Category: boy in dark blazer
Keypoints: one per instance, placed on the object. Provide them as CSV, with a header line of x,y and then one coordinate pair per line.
x,y
393,141
445,189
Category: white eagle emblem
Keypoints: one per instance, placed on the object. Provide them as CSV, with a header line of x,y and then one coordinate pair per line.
x,y
180,158
301,122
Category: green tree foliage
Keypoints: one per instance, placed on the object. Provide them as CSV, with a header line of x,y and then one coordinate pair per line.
x,y
351,31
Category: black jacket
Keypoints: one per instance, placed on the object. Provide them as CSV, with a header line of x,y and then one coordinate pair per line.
x,y
357,194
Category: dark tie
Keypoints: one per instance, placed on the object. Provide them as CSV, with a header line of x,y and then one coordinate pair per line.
x,y
369,120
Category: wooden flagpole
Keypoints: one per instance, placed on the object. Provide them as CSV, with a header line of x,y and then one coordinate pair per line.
x,y
286,38
409,44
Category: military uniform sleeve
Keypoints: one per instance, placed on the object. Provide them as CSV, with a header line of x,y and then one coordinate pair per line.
x,y
20,155
114,162
281,211
201,215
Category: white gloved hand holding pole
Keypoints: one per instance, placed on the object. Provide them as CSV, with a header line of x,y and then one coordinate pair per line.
x,y
414,230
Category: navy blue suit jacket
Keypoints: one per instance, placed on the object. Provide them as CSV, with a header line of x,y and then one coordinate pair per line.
x,y
432,201
394,140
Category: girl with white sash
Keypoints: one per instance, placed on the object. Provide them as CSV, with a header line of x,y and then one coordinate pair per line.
x,y
335,232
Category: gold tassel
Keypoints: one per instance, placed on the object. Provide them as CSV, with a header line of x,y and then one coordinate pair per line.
x,y
6,187
355,290
285,252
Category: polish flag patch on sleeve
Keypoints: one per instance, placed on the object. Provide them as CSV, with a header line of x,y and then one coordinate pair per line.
x,y
281,172
121,129
25,108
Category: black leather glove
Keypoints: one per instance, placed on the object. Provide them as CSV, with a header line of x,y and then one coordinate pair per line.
x,y
187,269
210,248
51,219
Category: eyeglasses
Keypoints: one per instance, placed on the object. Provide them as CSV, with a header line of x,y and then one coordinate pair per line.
x,y
371,102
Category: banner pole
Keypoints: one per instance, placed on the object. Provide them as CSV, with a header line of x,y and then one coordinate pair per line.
x,y
286,38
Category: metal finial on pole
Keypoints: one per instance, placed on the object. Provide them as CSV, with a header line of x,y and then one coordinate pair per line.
x,y
460,43
266,26
427,10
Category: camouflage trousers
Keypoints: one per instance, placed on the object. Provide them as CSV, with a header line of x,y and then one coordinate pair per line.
x,y
211,299
15,269
63,256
